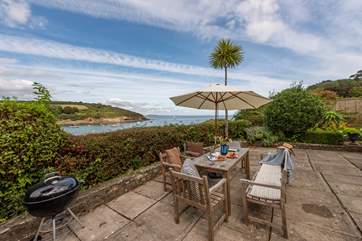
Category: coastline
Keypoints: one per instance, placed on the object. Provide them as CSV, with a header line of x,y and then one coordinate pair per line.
x,y
100,121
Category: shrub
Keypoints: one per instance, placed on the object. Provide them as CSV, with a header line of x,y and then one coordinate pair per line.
x,y
293,111
350,130
70,110
332,120
261,134
254,116
29,142
320,136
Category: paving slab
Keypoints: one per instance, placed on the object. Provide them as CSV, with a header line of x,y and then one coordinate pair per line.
x,y
323,156
318,208
347,189
159,221
340,178
357,217
355,158
302,232
307,179
152,189
131,204
347,169
133,232
99,224
351,203
223,233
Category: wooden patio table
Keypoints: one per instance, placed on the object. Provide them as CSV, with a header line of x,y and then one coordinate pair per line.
x,y
225,167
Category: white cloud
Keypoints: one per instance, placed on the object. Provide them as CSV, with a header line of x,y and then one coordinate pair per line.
x,y
14,12
57,50
318,29
16,88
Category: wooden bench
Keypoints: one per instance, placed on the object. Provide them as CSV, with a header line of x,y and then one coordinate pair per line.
x,y
266,188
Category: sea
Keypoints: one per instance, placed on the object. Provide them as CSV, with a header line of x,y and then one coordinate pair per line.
x,y
152,120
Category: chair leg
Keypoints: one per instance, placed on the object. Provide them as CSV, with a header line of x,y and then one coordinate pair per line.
x,y
226,208
177,213
164,180
211,228
245,203
284,221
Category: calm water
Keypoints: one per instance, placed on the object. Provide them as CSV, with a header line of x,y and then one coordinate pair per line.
x,y
153,121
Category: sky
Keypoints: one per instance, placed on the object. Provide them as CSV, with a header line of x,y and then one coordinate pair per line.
x,y
135,54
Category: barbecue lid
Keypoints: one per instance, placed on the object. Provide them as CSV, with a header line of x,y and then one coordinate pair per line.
x,y
52,186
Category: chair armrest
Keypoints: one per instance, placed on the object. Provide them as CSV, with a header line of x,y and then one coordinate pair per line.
x,y
259,184
217,185
173,166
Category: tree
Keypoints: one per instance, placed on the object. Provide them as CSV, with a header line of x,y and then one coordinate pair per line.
x,y
357,75
226,55
294,111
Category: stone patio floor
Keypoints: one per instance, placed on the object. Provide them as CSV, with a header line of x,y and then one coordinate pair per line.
x,y
324,203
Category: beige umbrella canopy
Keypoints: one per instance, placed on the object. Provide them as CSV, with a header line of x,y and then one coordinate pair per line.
x,y
220,97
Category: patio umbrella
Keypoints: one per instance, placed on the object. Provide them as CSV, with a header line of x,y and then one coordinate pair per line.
x,y
220,97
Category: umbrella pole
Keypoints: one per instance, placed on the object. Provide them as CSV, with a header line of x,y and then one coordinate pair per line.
x,y
216,129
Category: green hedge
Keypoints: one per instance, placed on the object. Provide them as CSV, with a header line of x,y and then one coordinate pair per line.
x,y
319,136
30,141
98,157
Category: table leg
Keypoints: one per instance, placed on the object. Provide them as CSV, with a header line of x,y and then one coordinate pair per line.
x,y
227,176
247,166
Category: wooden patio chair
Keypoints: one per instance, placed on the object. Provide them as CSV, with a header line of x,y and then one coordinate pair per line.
x,y
195,192
267,188
166,165
194,149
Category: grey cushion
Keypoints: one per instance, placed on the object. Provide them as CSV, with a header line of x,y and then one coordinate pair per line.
x,y
189,169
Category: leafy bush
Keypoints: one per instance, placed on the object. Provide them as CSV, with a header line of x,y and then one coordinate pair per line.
x,y
261,134
29,142
254,116
332,120
320,136
293,111
70,110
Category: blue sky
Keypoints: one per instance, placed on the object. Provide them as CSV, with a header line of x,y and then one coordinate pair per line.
x,y
136,54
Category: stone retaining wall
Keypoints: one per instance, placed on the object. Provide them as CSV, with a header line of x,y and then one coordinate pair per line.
x,y
348,148
24,226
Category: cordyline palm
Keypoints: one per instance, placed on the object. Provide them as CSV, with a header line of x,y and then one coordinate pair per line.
x,y
226,55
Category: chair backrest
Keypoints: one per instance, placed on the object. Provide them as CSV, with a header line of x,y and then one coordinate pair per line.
x,y
193,191
196,147
163,155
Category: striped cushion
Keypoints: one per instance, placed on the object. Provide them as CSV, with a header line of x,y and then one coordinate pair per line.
x,y
189,168
268,174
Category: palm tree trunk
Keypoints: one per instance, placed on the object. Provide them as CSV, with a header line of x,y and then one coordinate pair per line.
x,y
226,111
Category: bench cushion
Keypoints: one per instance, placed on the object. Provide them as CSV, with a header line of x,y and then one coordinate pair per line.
x,y
268,174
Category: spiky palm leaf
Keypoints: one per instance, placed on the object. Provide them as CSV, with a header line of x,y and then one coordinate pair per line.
x,y
226,55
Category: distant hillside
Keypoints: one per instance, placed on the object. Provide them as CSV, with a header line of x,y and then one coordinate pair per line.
x,y
74,113
341,88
